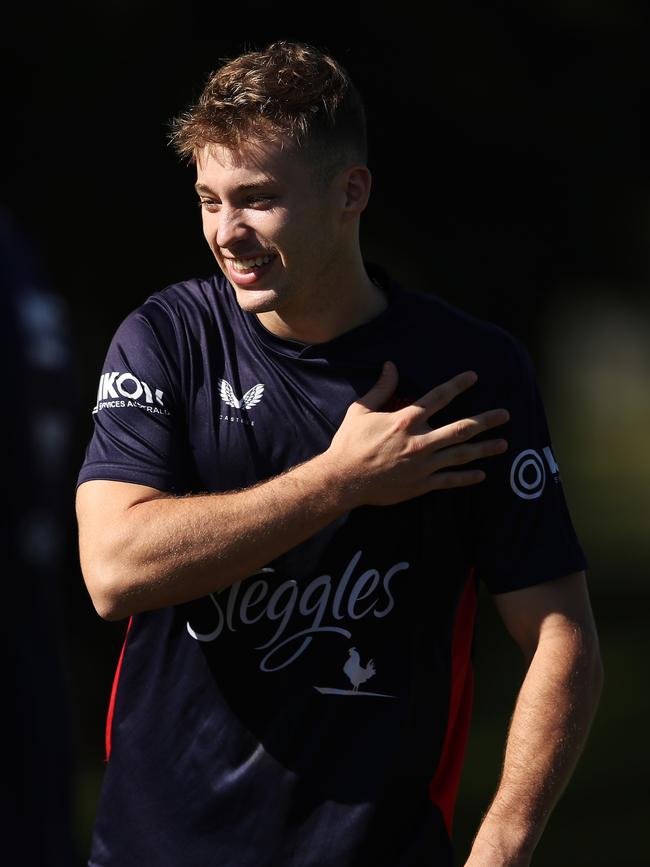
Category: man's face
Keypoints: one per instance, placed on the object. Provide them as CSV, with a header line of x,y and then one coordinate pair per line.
x,y
276,236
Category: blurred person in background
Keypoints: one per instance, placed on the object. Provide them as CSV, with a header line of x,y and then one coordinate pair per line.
x,y
40,401
295,529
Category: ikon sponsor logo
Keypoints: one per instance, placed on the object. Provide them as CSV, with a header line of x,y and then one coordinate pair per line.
x,y
117,390
528,473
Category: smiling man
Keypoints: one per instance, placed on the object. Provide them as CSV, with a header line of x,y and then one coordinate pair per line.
x,y
288,245
291,491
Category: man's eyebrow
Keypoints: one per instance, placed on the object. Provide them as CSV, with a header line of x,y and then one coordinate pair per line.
x,y
240,188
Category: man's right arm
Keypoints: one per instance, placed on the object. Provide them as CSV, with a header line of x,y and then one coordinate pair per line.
x,y
142,549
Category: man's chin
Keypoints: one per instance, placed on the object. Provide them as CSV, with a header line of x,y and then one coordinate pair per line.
x,y
256,300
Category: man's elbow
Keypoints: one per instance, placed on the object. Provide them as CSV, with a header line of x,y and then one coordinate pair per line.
x,y
105,587
111,608
109,549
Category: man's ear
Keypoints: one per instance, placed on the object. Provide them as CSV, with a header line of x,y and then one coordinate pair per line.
x,y
356,182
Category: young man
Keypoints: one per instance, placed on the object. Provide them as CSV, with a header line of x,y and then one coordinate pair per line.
x,y
295,530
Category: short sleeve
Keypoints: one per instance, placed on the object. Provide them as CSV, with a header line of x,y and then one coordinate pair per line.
x,y
523,533
138,413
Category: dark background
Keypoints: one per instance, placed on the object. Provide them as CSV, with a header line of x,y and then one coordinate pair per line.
x,y
510,175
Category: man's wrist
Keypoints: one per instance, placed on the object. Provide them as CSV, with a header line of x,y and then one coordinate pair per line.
x,y
503,842
484,854
337,482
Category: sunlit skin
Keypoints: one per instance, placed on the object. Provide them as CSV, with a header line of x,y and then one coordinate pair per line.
x,y
316,287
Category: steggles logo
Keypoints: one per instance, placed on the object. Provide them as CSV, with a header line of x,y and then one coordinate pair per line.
x,y
252,397
296,612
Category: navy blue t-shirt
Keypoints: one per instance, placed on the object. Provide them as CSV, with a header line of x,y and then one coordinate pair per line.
x,y
314,714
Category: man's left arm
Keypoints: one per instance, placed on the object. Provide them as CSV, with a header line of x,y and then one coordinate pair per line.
x,y
553,625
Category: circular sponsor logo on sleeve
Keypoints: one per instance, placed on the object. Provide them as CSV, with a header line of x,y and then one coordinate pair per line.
x,y
528,475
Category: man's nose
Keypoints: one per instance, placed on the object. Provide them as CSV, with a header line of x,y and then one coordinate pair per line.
x,y
231,227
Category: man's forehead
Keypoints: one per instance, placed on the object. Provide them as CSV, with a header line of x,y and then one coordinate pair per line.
x,y
237,179
263,161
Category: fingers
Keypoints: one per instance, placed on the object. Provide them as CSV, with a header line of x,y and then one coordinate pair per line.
x,y
465,454
451,448
442,395
440,480
466,428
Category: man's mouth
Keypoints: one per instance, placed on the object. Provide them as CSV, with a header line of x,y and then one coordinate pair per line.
x,y
246,266
248,271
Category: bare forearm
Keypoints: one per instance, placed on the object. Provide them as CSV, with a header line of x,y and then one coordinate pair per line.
x,y
171,550
548,730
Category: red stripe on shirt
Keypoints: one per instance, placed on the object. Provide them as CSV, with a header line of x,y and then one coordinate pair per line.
x,y
111,705
444,785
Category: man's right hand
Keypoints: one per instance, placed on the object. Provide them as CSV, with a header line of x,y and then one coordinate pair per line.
x,y
387,457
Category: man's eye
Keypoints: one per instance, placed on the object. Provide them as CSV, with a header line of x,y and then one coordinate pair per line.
x,y
211,205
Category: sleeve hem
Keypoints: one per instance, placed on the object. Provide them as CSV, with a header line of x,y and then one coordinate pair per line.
x,y
113,473
522,582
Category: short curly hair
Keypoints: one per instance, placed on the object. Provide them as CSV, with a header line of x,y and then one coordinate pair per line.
x,y
291,94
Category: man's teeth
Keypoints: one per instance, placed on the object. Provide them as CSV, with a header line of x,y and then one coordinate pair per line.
x,y
246,264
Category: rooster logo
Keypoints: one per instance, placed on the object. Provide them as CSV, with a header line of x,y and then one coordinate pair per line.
x,y
356,674
355,671
252,397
